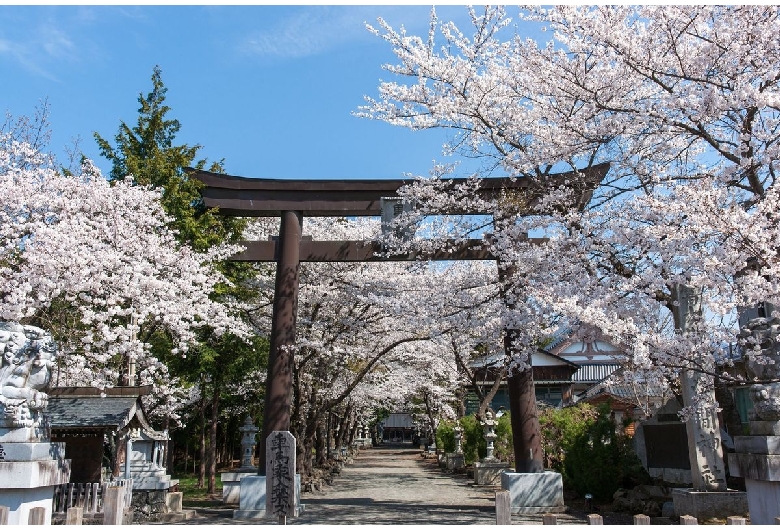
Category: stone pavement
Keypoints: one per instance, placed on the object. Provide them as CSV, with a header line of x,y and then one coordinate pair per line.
x,y
393,484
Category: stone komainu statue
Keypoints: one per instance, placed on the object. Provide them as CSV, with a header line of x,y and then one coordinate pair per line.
x,y
765,367
26,364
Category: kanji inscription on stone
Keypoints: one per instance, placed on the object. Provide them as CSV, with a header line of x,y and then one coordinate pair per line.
x,y
280,474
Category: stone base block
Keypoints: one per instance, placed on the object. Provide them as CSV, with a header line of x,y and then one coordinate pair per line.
x,y
534,492
759,445
28,451
21,501
763,499
30,467
488,473
670,475
709,504
173,502
755,466
455,461
153,483
757,460
231,485
764,428
34,474
38,433
252,498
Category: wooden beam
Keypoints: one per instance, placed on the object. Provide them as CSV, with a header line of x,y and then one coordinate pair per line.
x,y
251,197
347,251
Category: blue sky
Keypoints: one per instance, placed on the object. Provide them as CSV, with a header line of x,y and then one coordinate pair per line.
x,y
268,88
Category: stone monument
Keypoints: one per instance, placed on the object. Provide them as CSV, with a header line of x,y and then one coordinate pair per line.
x,y
757,456
30,465
488,470
709,496
270,495
231,480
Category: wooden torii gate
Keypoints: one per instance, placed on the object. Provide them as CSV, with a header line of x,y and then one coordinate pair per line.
x,y
291,200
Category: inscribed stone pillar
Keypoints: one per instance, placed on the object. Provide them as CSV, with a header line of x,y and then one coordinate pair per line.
x,y
705,449
280,474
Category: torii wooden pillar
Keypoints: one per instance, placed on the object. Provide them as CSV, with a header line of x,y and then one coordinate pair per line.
x,y
291,200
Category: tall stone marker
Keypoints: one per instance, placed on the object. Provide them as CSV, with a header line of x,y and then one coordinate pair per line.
x,y
704,441
709,496
280,475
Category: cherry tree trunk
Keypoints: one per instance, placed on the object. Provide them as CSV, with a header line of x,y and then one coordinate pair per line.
x,y
212,488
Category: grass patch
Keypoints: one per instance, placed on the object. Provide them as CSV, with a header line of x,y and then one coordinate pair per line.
x,y
195,496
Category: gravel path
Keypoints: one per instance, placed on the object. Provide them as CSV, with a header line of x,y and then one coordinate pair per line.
x,y
391,485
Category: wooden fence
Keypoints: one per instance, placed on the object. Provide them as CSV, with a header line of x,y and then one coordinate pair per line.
x,y
88,496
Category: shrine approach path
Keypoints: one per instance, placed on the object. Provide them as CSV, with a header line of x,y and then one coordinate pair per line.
x,y
392,485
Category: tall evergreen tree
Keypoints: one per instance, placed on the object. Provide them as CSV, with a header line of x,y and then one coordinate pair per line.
x,y
147,152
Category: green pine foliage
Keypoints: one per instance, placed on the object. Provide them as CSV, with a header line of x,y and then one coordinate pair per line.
x,y
148,153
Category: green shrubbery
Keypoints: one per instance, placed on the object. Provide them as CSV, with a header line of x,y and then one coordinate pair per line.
x,y
584,445
473,442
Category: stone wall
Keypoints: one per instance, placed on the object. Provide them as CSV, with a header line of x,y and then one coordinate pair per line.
x,y
149,505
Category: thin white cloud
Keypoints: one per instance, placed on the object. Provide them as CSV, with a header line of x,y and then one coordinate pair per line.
x,y
39,44
306,32
309,31
56,43
25,55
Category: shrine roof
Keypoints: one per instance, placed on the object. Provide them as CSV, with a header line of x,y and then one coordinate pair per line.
x,y
84,408
91,411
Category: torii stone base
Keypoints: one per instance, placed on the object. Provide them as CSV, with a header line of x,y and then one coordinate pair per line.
x,y
534,492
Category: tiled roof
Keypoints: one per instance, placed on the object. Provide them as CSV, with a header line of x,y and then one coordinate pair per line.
x,y
558,337
90,411
593,373
624,391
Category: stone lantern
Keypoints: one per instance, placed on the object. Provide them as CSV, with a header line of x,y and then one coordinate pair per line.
x,y
489,426
456,460
248,442
231,480
458,437
489,469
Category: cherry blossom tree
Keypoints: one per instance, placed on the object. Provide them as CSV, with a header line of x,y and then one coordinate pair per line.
x,y
670,97
96,264
682,102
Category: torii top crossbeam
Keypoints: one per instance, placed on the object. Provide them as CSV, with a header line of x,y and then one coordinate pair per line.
x,y
255,197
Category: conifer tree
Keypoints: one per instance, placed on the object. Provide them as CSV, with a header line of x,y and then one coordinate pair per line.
x,y
148,153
